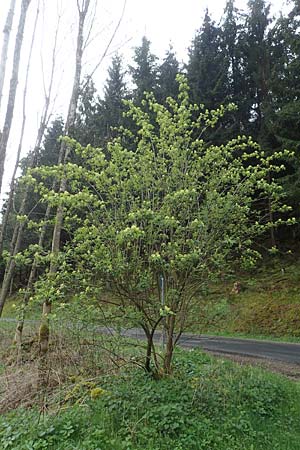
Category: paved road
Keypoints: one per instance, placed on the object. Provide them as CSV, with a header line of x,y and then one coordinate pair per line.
x,y
284,352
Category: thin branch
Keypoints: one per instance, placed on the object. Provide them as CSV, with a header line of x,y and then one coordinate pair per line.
x,y
109,44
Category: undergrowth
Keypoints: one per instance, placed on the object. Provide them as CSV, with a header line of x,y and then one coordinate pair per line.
x,y
206,404
267,305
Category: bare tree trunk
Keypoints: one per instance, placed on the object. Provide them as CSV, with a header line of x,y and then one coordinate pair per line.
x,y
12,183
83,7
6,32
13,87
44,121
11,264
18,230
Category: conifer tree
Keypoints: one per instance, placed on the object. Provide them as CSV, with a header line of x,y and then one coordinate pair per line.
x,y
285,86
115,92
167,72
144,71
87,124
232,26
256,53
207,67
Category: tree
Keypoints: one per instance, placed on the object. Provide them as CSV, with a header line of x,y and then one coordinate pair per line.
x,y
284,115
167,72
237,91
82,9
9,202
144,72
174,208
115,92
31,160
207,68
257,67
6,31
13,87
87,124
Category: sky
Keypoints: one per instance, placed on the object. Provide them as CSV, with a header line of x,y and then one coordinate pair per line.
x,y
164,22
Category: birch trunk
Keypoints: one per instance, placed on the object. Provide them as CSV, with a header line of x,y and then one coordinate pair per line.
x,y
18,229
6,32
13,179
43,125
13,87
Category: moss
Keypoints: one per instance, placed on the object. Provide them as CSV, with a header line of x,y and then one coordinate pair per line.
x,y
44,331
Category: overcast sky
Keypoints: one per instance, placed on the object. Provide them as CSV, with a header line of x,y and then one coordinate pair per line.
x,y
162,21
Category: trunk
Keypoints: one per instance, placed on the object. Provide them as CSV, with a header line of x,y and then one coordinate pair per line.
x,y
65,150
11,264
148,354
44,329
11,287
31,279
170,345
18,230
6,32
272,231
13,87
271,218
12,184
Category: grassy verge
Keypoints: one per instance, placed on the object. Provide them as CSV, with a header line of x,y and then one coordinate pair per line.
x,y
207,404
267,306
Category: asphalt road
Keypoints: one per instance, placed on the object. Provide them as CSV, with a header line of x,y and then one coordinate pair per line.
x,y
276,351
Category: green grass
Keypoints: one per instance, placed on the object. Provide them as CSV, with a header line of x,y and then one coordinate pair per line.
x,y
207,404
268,306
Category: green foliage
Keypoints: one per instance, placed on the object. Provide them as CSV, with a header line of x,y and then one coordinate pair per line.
x,y
162,204
207,404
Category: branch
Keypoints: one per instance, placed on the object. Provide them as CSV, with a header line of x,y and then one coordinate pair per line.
x,y
108,45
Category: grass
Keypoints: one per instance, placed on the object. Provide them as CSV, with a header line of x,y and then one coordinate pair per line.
x,y
92,402
268,306
207,404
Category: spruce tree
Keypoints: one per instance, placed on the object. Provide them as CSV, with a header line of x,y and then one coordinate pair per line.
x,y
86,129
237,92
167,84
256,53
144,71
207,67
115,92
285,86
